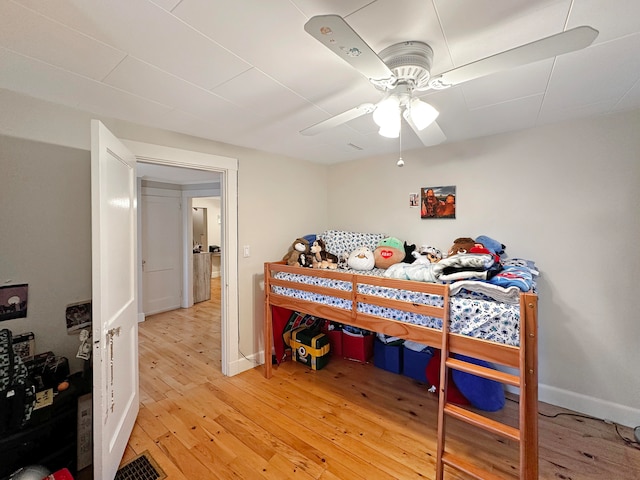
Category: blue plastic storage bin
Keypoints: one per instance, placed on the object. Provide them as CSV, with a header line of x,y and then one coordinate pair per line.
x,y
414,364
387,357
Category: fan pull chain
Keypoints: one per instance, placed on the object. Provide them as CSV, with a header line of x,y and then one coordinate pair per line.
x,y
400,162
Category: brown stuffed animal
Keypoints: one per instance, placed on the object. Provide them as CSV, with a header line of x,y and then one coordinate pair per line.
x,y
299,247
320,257
461,245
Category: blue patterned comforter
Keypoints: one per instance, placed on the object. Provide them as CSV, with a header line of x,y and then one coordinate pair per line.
x,y
472,314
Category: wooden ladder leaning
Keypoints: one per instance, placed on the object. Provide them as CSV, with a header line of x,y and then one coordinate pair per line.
x,y
526,381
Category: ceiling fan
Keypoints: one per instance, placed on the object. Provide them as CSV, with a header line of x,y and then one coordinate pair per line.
x,y
404,68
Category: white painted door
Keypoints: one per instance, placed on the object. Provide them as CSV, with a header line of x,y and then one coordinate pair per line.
x,y
161,253
115,302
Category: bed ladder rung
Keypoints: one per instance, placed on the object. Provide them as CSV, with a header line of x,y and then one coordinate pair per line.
x,y
469,468
481,421
484,372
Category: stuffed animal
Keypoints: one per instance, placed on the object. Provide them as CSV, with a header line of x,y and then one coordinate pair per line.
x,y
427,254
320,257
461,245
490,244
298,247
409,251
389,251
361,259
306,259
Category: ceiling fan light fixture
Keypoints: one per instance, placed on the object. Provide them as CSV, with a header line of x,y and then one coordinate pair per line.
x,y
387,112
422,114
390,131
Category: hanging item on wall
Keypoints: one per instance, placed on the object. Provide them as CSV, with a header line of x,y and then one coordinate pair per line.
x,y
78,316
438,202
414,199
13,301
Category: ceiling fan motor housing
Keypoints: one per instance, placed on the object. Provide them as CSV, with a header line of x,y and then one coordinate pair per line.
x,y
410,62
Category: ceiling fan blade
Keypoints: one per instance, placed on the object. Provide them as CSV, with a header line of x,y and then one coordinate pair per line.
x,y
429,136
339,119
564,42
336,34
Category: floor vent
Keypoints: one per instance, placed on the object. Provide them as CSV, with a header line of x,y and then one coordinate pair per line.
x,y
143,467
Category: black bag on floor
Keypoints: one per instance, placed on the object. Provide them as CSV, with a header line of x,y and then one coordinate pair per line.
x,y
17,392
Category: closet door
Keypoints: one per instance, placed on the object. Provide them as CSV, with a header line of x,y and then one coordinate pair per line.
x,y
161,253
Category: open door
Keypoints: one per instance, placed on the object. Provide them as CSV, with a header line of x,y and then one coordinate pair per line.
x,y
115,299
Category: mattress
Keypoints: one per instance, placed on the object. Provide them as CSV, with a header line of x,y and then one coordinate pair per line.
x,y
472,314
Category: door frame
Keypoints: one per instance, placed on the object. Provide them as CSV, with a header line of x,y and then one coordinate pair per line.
x,y
228,168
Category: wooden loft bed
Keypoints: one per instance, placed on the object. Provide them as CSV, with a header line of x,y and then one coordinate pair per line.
x,y
523,358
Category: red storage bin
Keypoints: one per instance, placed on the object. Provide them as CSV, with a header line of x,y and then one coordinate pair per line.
x,y
357,347
335,338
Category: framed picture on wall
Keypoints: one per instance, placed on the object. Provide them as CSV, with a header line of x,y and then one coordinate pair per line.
x,y
78,316
13,301
438,202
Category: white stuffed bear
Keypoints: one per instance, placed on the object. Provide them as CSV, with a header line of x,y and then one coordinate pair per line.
x,y
361,258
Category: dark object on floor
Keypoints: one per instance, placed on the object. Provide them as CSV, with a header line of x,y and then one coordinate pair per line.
x,y
17,392
143,467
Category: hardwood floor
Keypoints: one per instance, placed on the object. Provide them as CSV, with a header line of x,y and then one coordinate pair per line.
x,y
346,421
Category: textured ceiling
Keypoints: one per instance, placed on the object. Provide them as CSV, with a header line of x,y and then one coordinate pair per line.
x,y
246,73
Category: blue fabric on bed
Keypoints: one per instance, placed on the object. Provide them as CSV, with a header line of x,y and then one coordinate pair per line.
x,y
481,392
310,238
513,275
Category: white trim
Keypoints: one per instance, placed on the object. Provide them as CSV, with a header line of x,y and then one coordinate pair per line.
x,y
246,363
627,416
228,167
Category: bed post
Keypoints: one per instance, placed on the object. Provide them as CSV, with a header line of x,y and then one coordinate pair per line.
x,y
268,323
529,388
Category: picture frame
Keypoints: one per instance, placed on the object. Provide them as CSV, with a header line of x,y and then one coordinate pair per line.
x,y
438,202
78,316
13,301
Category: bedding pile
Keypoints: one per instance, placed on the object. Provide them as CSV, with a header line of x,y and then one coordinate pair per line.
x,y
484,290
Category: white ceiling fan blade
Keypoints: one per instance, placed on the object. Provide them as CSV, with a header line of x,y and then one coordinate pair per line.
x,y
336,34
339,119
564,42
429,136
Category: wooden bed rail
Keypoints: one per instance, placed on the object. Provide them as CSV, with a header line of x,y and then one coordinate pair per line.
x,y
506,355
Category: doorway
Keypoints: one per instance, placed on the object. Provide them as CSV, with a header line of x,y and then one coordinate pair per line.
x,y
199,165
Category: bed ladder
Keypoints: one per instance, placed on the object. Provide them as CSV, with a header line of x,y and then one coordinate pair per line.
x,y
526,435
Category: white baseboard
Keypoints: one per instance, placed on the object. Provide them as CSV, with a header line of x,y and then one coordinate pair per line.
x,y
245,363
595,407
141,317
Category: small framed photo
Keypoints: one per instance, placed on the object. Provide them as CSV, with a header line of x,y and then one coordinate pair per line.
x,y
438,202
13,301
78,316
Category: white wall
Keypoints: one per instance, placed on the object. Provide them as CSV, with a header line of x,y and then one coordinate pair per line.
x,y
45,237
565,195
